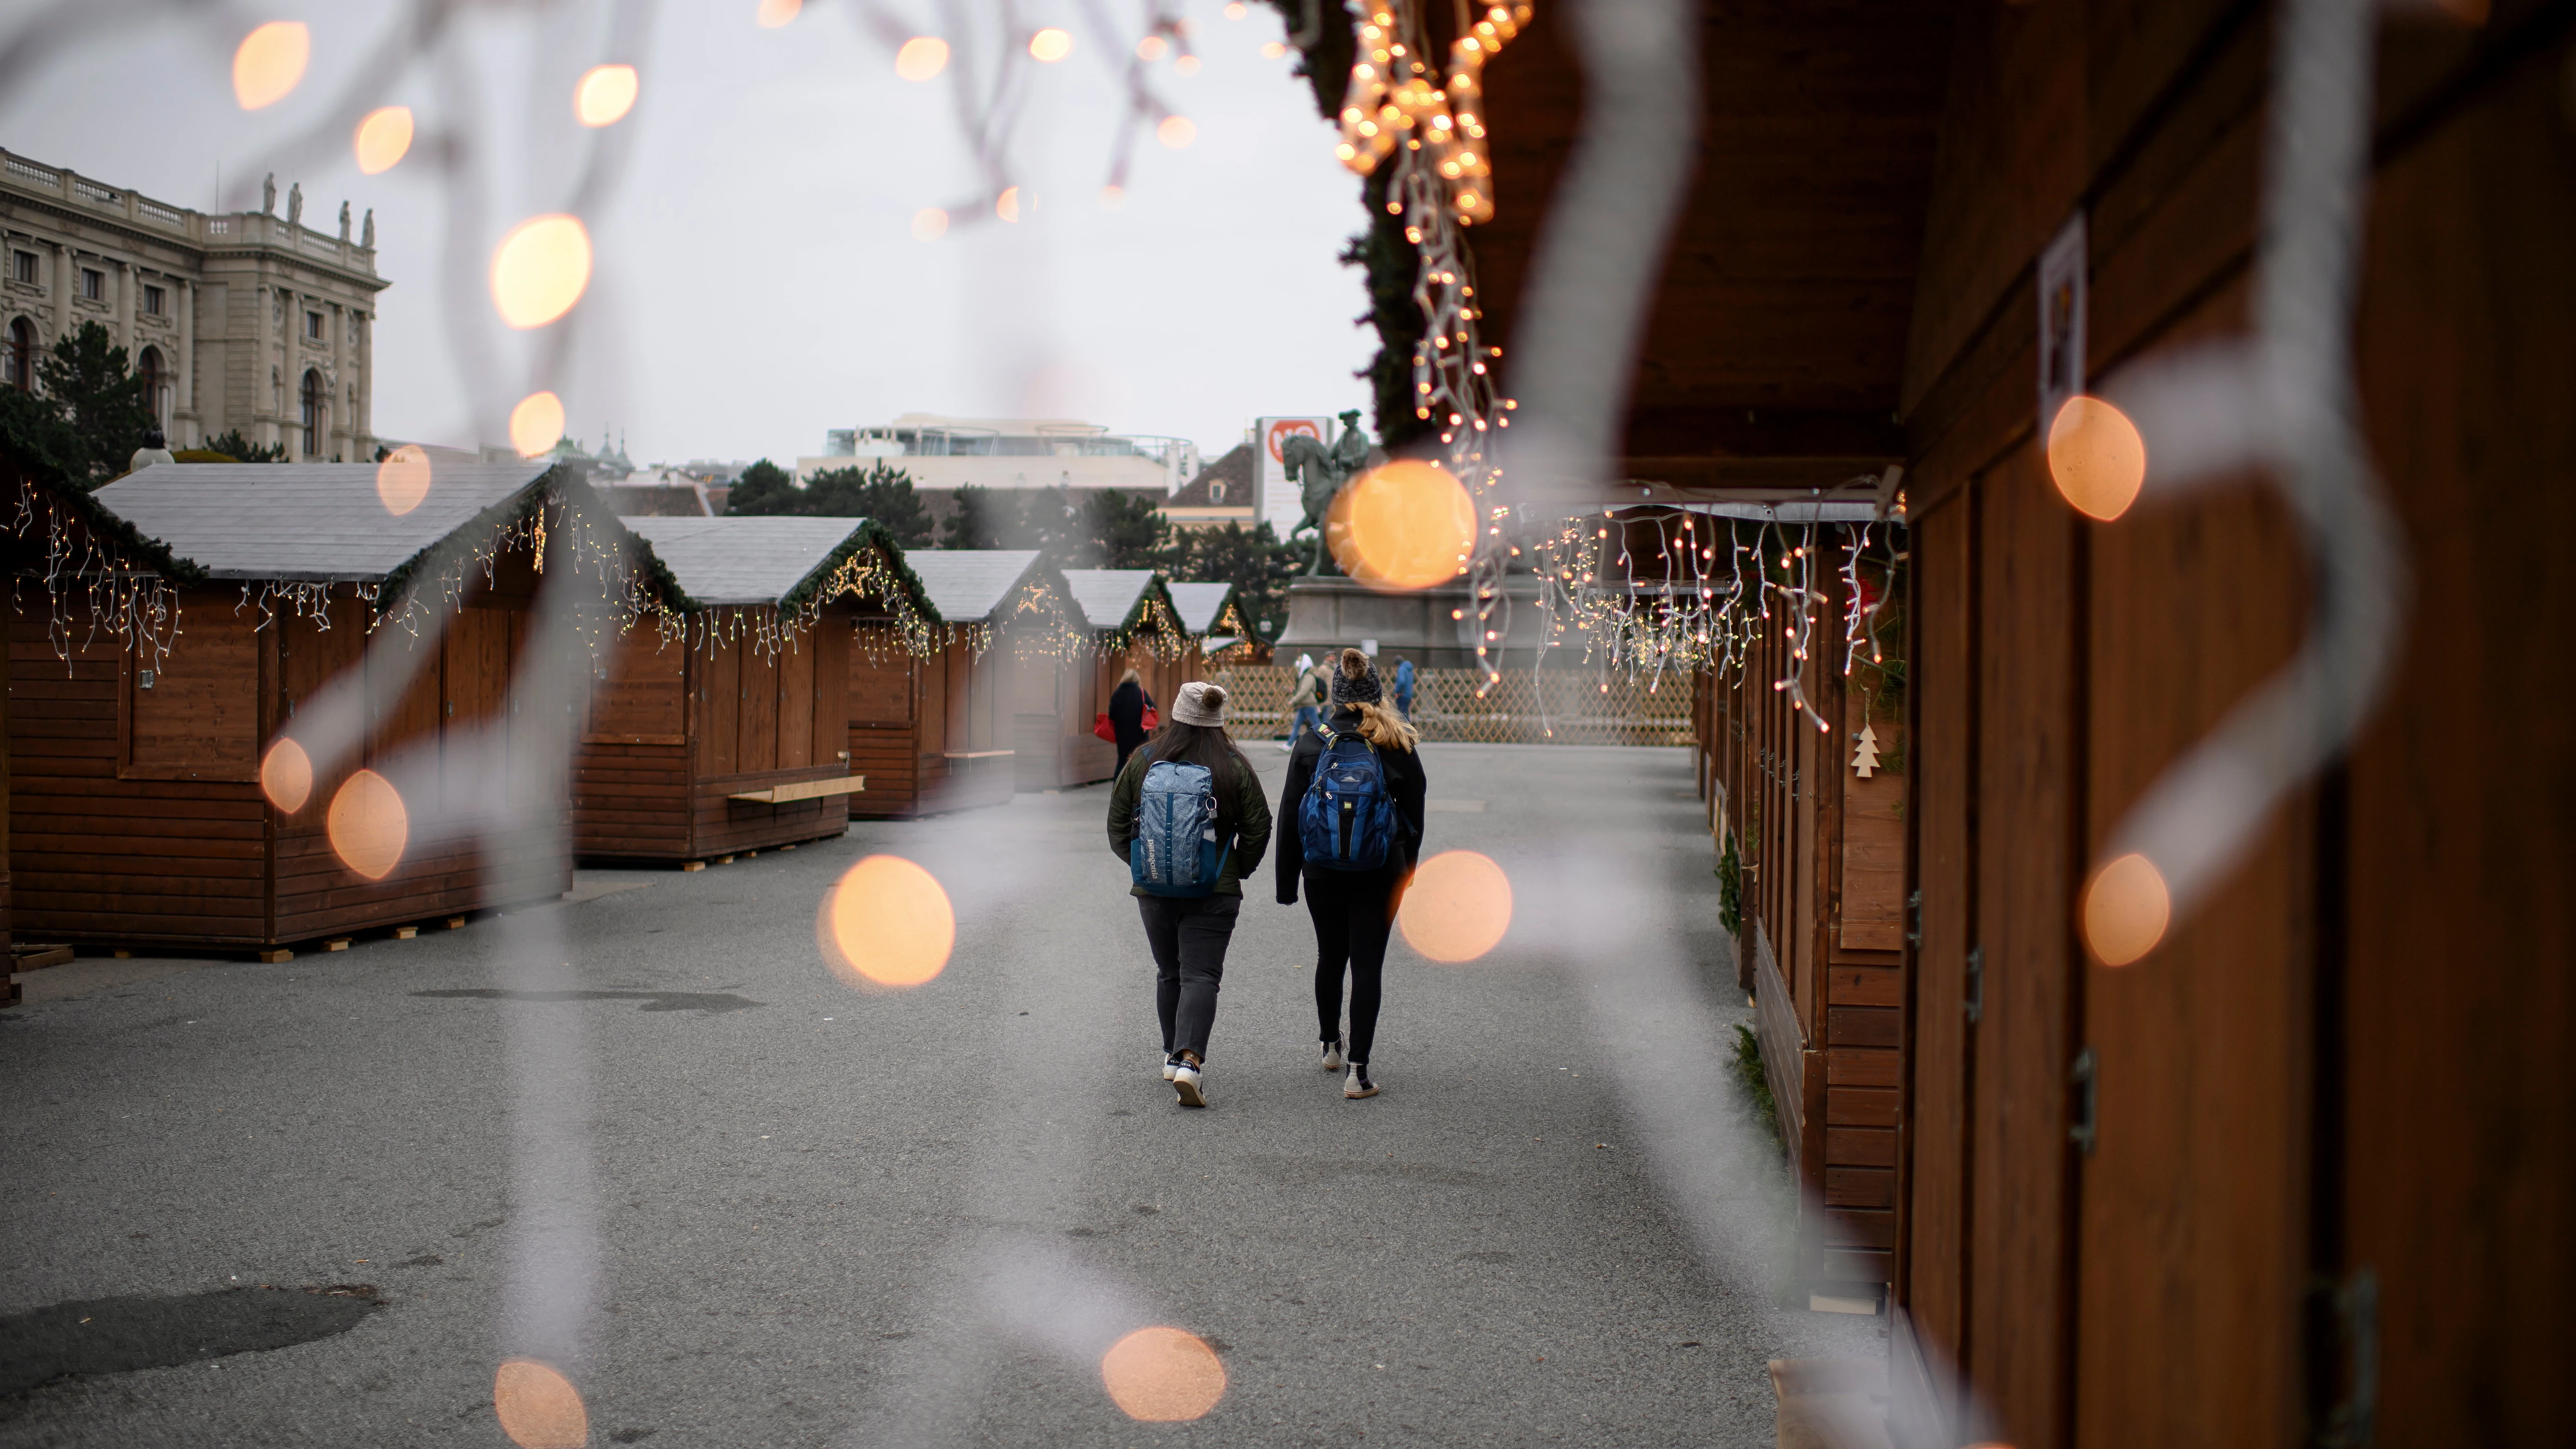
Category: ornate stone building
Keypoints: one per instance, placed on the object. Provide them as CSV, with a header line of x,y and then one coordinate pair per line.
x,y
248,320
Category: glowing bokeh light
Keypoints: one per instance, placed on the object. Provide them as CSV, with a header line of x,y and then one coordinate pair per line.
x,y
2096,457
270,62
887,923
1152,48
1050,45
383,139
1007,205
1236,10
1456,907
775,13
402,479
538,1407
2126,910
1176,132
604,95
1112,197
1186,65
540,269
368,825
1272,50
922,57
286,776
929,224
1163,1375
537,423
1408,524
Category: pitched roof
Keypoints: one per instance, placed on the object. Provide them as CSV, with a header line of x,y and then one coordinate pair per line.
x,y
1199,606
1225,483
751,561
970,585
307,522
1111,598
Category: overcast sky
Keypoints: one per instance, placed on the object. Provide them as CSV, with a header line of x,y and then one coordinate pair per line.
x,y
758,281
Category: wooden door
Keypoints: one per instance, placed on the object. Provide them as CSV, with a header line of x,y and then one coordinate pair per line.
x,y
475,669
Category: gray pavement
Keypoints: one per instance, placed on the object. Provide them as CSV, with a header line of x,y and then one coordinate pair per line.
x,y
824,1216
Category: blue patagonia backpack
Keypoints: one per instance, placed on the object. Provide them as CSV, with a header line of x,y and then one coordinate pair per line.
x,y
1176,851
1347,820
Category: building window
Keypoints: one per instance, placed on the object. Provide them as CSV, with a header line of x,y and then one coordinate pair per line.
x,y
18,356
312,413
22,267
313,325
152,300
156,385
93,284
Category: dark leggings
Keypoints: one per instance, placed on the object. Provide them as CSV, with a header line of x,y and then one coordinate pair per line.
x,y
1353,912
1188,938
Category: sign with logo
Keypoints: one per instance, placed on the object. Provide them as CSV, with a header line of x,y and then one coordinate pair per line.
x,y
1275,500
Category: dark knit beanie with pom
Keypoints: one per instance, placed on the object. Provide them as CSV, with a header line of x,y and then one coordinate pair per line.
x,y
1355,681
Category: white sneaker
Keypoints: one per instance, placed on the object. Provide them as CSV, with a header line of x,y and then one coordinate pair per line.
x,y
1286,745
1357,1084
1191,1082
1333,1055
1171,1064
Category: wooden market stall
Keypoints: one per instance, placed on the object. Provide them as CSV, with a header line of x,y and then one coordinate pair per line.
x,y
938,727
1127,618
2300,1174
384,646
730,732
1213,624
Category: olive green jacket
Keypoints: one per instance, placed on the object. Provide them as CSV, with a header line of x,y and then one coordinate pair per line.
x,y
1251,815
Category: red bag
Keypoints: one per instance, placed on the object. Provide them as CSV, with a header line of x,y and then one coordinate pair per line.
x,y
1152,720
1100,727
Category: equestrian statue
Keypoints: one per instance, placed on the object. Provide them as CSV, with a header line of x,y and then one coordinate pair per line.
x,y
1321,474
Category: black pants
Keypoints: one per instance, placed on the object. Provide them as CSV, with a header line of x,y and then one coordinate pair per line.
x,y
1189,939
1353,912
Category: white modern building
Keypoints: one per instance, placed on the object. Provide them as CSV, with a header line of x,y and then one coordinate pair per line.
x,y
943,453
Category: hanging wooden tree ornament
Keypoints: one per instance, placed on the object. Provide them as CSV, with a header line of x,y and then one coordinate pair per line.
x,y
1865,759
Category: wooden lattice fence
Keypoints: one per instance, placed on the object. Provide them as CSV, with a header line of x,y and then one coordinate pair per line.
x,y
1523,707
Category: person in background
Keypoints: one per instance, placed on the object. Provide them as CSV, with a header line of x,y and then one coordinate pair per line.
x,y
1306,700
1128,704
1404,689
1188,933
1352,828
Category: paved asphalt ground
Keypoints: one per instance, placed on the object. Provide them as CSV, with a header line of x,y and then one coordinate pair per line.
x,y
844,1218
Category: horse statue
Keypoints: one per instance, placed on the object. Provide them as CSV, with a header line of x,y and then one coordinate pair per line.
x,y
1321,474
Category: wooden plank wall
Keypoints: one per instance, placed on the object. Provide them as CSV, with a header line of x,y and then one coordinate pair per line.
x,y
760,718
894,727
630,776
2282,1094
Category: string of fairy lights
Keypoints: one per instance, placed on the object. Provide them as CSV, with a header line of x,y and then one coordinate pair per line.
x,y
120,598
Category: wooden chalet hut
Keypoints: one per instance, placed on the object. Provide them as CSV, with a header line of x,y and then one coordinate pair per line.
x,y
2302,1172
937,728
372,657
730,734
1213,624
1126,615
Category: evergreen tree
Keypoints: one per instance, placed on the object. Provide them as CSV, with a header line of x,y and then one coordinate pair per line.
x,y
89,413
764,490
1254,560
242,450
1127,530
972,524
882,493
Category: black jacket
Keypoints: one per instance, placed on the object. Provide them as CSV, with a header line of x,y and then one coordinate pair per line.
x,y
1127,714
1405,781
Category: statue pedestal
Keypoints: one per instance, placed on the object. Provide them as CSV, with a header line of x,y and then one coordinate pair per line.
x,y
1337,613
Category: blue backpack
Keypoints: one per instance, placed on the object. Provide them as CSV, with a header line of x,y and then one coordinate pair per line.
x,y
1176,851
1347,820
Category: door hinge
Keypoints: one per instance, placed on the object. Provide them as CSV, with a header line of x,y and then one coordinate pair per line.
x,y
1914,918
1976,984
2087,1101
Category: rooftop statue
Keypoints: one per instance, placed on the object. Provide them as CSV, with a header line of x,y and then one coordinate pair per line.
x,y
1322,473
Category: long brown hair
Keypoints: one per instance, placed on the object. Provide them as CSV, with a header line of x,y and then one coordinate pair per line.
x,y
1379,725
1206,745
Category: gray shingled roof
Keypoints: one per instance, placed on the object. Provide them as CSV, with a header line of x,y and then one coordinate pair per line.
x,y
1199,606
1109,598
736,561
304,522
970,585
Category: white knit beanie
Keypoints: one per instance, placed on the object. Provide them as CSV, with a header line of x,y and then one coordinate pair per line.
x,y
1200,703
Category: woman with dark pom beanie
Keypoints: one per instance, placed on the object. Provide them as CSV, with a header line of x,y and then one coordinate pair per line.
x,y
1352,901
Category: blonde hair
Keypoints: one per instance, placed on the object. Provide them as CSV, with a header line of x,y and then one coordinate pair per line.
x,y
1132,677
1379,725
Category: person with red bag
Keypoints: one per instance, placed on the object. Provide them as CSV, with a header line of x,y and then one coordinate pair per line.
x,y
1130,718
